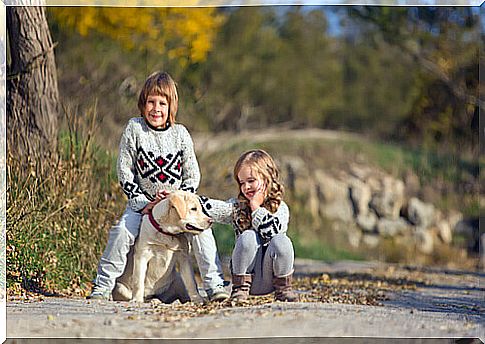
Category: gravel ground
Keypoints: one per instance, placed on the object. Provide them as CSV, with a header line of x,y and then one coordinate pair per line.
x,y
442,304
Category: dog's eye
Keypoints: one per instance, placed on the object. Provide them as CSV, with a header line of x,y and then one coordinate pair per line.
x,y
194,209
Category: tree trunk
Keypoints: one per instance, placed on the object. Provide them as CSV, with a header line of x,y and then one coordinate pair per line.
x,y
32,93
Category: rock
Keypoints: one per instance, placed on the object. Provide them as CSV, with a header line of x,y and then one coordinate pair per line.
x,y
360,194
469,229
333,196
429,194
444,231
419,213
389,227
360,172
424,241
367,222
370,240
313,203
330,189
388,202
354,237
453,218
299,181
308,194
412,183
374,184
300,186
338,210
293,169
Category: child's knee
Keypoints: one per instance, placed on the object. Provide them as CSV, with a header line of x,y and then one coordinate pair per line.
x,y
281,245
247,240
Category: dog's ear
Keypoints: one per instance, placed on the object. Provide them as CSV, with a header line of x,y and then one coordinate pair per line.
x,y
178,203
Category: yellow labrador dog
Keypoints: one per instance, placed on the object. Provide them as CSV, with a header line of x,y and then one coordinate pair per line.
x,y
160,248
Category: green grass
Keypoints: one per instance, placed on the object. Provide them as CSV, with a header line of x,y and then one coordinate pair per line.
x,y
318,249
428,165
225,239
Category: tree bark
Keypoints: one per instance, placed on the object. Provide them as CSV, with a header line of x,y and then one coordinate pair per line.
x,y
32,93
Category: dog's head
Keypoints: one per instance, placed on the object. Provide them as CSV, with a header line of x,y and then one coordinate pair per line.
x,y
183,213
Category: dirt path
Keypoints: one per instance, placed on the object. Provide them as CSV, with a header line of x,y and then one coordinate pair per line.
x,y
410,303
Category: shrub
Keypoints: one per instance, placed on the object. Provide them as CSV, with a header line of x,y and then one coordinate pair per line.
x,y
58,214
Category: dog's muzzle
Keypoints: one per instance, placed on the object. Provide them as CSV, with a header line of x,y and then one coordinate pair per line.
x,y
193,228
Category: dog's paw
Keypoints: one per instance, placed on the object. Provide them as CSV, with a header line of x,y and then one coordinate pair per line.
x,y
137,300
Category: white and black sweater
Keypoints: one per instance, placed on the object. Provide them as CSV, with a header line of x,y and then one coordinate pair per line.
x,y
153,159
265,223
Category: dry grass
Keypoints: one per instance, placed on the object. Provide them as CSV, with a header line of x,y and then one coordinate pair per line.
x,y
58,213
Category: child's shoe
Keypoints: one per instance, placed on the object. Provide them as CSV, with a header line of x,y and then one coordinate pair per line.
x,y
99,293
283,289
218,293
241,284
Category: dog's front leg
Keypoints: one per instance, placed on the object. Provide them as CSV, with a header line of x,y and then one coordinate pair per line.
x,y
140,264
187,274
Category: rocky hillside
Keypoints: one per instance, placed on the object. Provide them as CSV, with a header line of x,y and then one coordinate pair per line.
x,y
366,198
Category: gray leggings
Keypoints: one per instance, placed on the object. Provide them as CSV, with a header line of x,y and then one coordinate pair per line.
x,y
250,256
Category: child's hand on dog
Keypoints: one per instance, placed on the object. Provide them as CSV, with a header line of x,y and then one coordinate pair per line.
x,y
160,195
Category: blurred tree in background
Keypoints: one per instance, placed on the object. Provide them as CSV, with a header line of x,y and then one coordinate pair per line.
x,y
272,68
443,43
179,33
380,84
408,74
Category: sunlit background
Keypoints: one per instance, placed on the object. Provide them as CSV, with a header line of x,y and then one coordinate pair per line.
x,y
372,114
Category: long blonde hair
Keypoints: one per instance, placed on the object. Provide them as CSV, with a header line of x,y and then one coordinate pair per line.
x,y
160,84
263,165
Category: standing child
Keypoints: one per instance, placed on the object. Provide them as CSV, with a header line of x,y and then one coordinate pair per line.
x,y
156,155
262,260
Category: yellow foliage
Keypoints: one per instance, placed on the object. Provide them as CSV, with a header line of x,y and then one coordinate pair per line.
x,y
181,33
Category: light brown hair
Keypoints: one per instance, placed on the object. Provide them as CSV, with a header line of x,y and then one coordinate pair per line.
x,y
264,166
160,84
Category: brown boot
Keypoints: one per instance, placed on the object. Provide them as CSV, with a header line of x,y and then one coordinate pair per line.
x,y
240,287
283,290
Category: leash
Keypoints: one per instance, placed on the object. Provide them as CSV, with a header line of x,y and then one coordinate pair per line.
x,y
156,225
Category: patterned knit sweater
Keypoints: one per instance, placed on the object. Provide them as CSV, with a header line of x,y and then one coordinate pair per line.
x,y
153,159
265,223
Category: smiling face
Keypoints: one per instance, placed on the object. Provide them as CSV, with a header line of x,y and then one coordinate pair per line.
x,y
156,111
159,85
249,181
